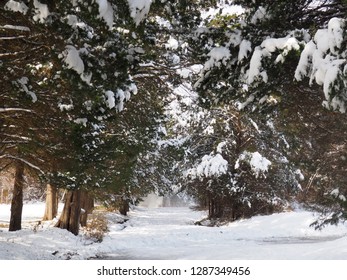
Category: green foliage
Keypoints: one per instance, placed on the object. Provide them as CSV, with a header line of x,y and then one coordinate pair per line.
x,y
82,133
225,22
87,144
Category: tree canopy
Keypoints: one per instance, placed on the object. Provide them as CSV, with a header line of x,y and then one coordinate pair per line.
x,y
230,102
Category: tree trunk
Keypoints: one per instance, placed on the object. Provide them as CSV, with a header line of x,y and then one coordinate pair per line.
x,y
211,208
4,196
70,217
124,207
17,199
87,204
51,209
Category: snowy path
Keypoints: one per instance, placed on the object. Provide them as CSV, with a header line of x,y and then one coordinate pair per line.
x,y
170,233
158,233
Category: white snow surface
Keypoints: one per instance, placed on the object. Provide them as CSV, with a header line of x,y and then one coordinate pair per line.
x,y
170,233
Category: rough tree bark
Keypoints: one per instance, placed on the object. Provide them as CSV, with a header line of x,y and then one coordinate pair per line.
x,y
51,209
17,199
87,204
4,196
70,217
124,207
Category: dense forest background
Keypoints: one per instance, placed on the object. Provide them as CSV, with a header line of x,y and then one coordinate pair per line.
x,y
240,105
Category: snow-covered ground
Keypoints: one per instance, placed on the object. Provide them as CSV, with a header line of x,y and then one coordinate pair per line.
x,y
167,233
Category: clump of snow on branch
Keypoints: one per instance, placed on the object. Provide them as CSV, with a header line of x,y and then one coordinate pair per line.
x,y
172,43
210,165
268,46
245,49
82,121
110,101
336,193
139,9
65,107
217,57
255,67
259,164
222,9
106,12
335,33
16,7
324,62
23,85
73,61
117,100
41,11
260,15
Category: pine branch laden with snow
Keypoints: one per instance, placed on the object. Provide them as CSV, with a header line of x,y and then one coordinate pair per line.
x,y
86,83
71,57
324,61
251,59
259,165
210,166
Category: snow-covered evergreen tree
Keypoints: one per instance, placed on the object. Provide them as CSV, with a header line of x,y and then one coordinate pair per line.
x,y
79,84
262,57
86,83
252,54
